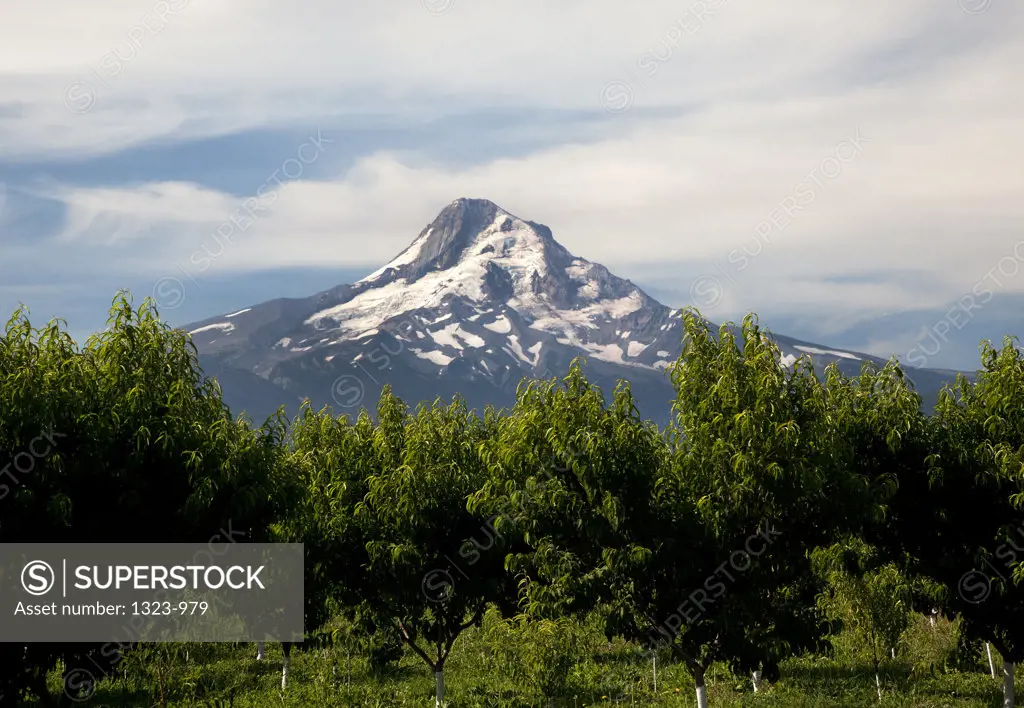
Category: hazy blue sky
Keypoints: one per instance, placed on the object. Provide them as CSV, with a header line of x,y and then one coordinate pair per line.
x,y
826,164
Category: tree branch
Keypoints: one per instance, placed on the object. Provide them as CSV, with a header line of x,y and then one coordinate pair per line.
x,y
415,648
474,620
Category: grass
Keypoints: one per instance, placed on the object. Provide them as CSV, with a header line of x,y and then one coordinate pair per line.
x,y
492,667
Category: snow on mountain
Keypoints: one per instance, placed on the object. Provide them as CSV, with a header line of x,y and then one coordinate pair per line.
x,y
480,299
489,261
221,326
831,352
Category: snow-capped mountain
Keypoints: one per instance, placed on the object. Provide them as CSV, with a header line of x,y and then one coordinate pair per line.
x,y
480,299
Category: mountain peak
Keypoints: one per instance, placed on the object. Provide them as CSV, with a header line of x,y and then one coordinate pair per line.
x,y
465,214
467,204
477,259
446,239
472,231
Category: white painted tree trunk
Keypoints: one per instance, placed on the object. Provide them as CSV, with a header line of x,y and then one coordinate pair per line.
x,y
702,690
991,664
1007,684
654,670
878,687
439,689
893,652
260,656
756,679
284,672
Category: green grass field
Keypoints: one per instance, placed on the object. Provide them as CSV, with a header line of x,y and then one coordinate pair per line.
x,y
491,667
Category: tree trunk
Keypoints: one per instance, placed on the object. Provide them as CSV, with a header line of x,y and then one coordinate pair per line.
x,y
654,670
755,678
991,664
1007,684
439,688
702,691
878,686
259,651
286,647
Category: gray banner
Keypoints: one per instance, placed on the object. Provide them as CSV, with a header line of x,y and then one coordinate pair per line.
x,y
162,592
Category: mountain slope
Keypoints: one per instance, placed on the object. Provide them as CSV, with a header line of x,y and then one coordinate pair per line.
x,y
477,301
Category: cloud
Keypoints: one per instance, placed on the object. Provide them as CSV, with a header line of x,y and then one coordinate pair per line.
x,y
728,115
179,68
690,188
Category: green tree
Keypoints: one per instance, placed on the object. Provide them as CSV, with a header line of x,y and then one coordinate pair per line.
x,y
123,440
957,514
331,460
433,566
872,600
554,657
685,535
569,478
754,482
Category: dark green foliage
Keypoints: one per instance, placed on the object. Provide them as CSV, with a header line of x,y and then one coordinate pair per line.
x,y
565,514
570,482
123,440
958,513
871,599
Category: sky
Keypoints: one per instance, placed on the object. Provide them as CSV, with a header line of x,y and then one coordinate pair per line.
x,y
850,171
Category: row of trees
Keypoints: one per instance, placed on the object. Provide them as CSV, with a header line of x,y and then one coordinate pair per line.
x,y
710,537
